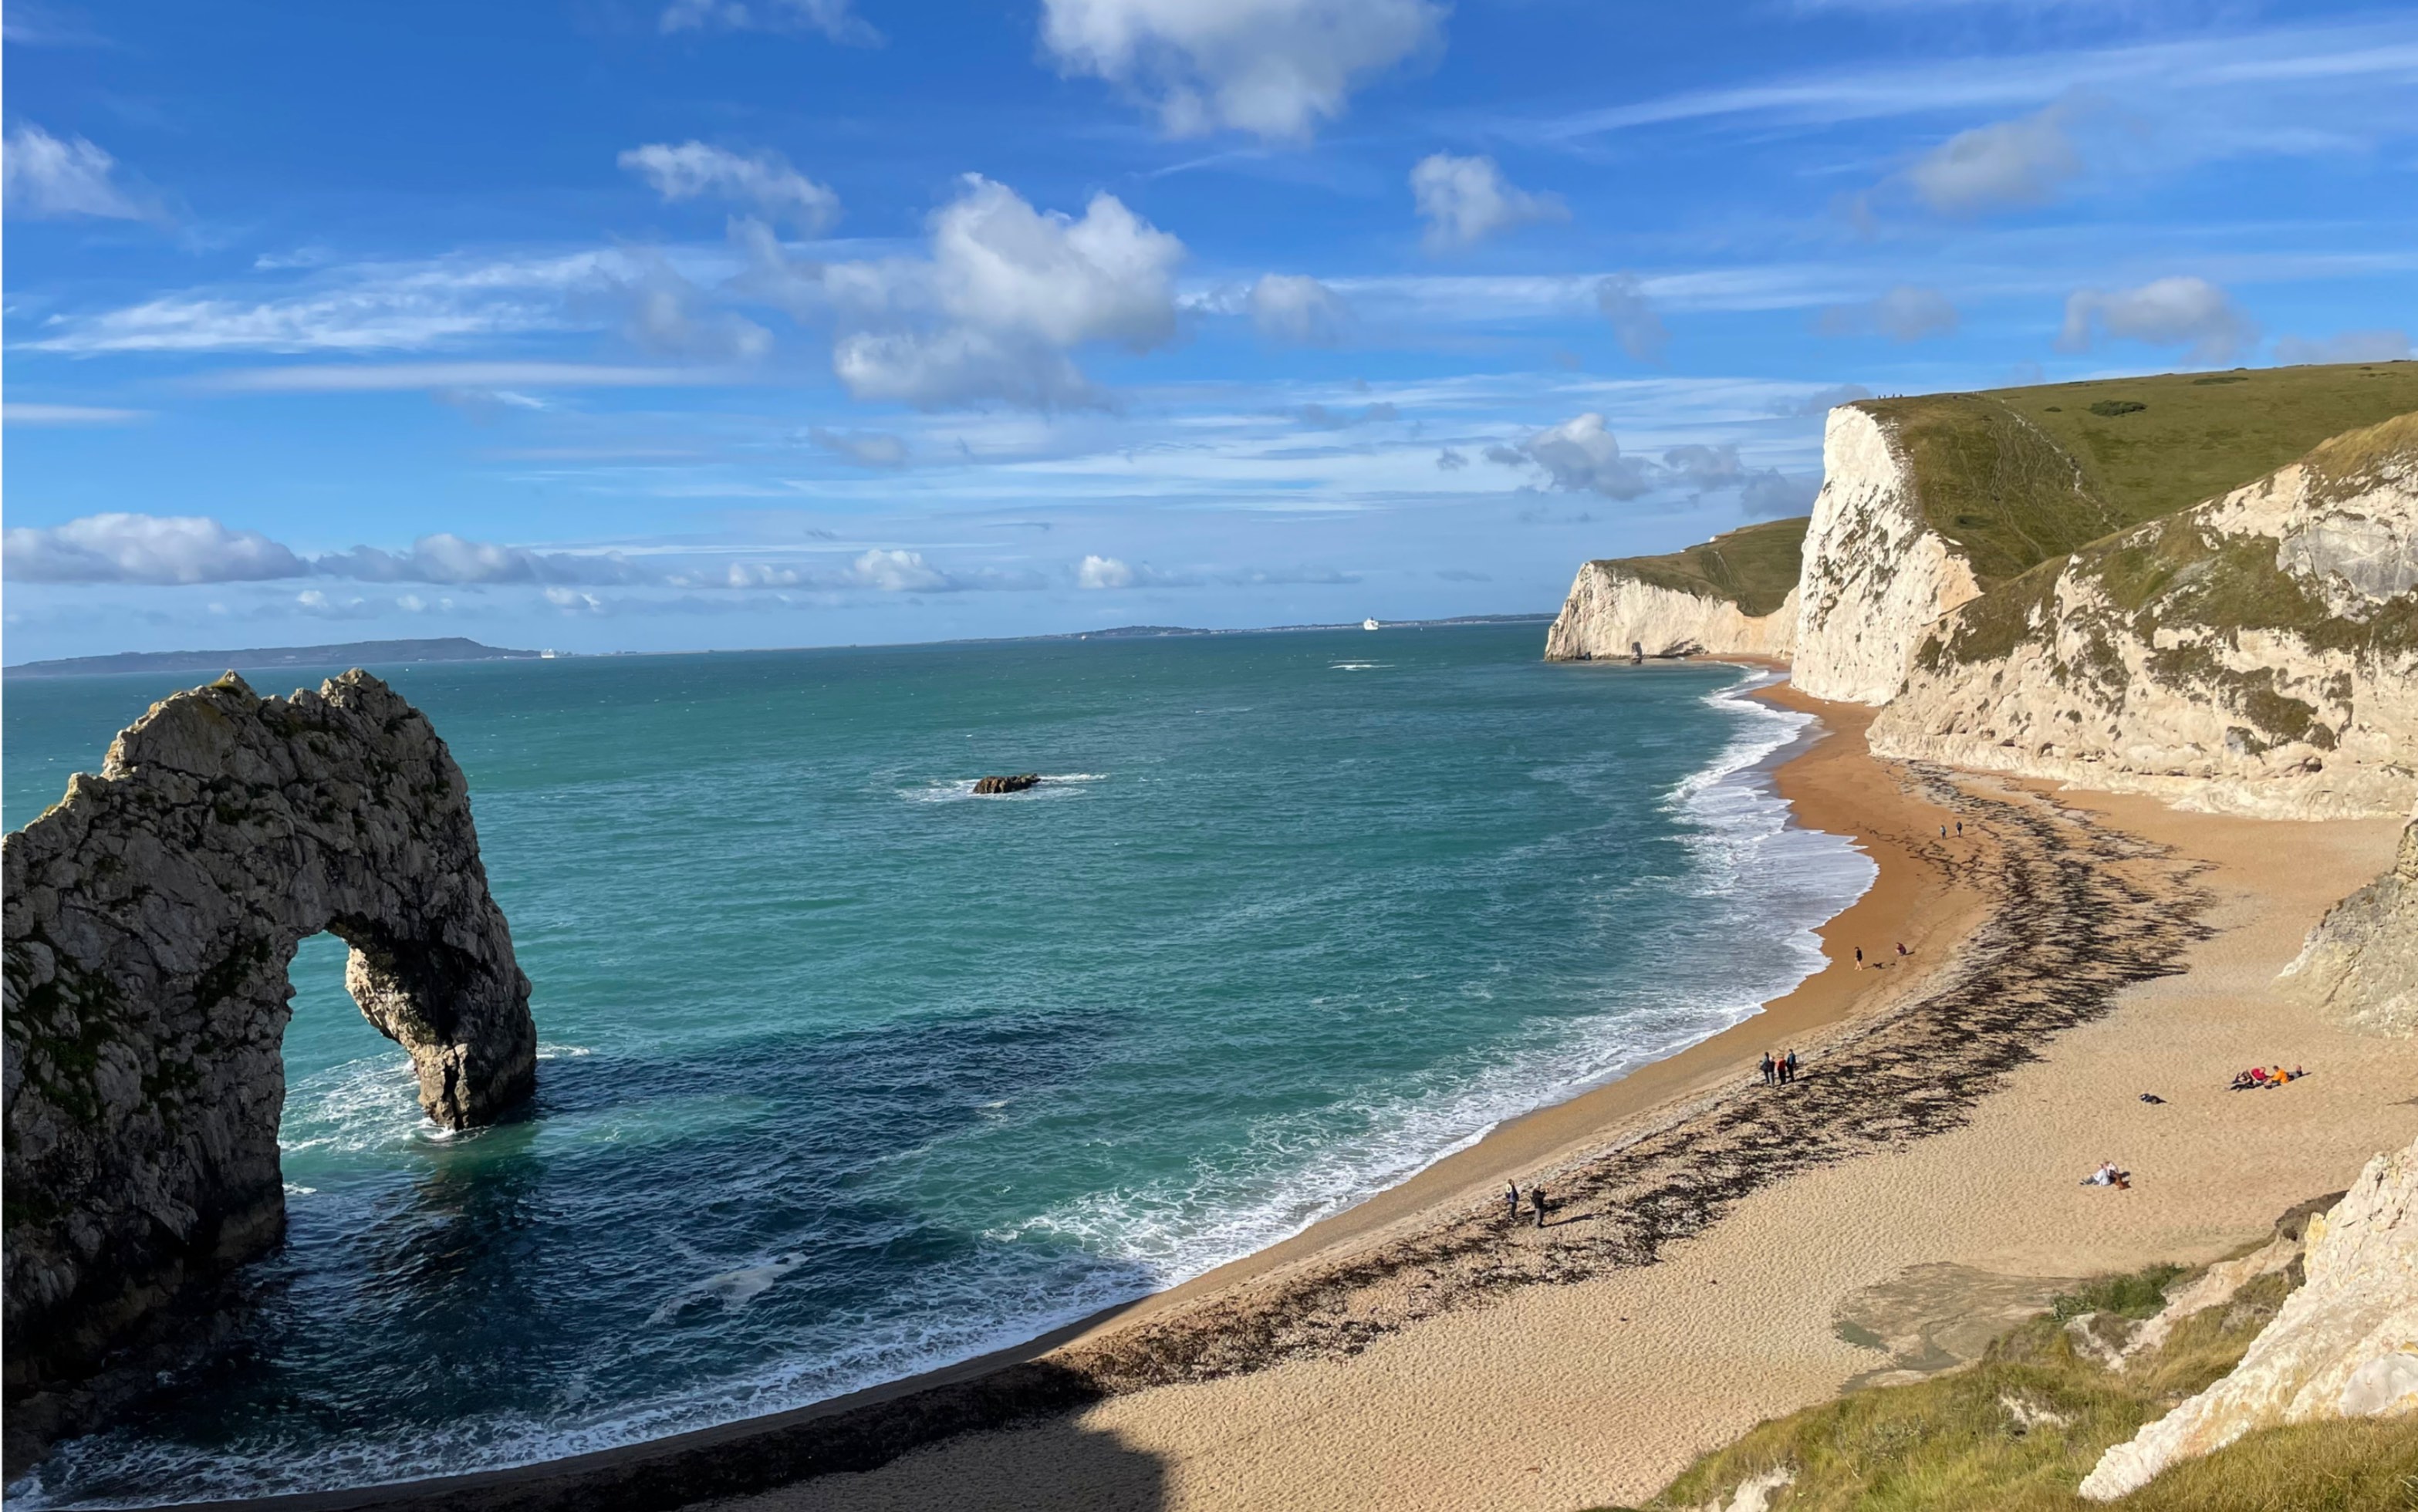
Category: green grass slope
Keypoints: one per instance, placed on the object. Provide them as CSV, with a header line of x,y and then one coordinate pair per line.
x,y
1754,567
2017,476
2019,1429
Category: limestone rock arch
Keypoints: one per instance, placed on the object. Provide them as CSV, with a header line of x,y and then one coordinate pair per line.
x,y
150,917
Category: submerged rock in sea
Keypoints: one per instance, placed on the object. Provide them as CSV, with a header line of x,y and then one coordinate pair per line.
x,y
1016,784
2344,1344
150,917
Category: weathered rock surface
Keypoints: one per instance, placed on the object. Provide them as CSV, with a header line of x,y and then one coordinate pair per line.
x,y
1020,782
1876,574
2361,962
2344,1344
150,917
1610,611
2256,654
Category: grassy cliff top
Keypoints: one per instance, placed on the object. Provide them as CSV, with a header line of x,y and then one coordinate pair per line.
x,y
2017,476
1754,567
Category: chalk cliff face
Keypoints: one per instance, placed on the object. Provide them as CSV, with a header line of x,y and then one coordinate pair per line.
x,y
2257,655
2361,960
1609,610
1876,575
2344,1344
150,917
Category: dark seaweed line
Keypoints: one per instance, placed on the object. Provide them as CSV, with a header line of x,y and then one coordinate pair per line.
x,y
2078,914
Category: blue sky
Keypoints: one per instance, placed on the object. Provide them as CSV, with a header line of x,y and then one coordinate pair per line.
x,y
666,324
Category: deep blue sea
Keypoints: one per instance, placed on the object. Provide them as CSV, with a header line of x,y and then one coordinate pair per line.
x,y
848,1073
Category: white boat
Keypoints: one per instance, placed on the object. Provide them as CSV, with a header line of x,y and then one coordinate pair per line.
x,y
1370,624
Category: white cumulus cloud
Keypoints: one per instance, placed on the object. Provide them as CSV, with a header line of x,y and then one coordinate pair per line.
x,y
2004,165
1580,455
46,177
145,548
1465,200
900,572
693,170
1007,292
2169,312
1096,572
1298,309
1272,67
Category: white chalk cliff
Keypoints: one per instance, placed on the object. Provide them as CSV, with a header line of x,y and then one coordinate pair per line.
x,y
2344,1344
1611,610
2256,654
1876,574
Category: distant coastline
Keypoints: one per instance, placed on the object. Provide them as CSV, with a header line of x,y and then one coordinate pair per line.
x,y
349,653
462,649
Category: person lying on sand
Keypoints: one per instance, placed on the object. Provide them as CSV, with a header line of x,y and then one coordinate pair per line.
x,y
2107,1175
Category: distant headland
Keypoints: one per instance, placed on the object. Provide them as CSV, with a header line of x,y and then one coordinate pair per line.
x,y
351,653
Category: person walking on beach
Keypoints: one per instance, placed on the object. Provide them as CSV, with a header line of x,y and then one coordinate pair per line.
x,y
1788,1067
1860,958
1537,1196
1768,1065
1512,1192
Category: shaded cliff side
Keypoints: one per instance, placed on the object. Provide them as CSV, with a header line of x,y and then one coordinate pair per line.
x,y
1736,595
2361,963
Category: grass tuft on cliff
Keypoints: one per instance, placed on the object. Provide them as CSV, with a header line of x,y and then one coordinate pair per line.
x,y
2019,1429
1754,567
2017,476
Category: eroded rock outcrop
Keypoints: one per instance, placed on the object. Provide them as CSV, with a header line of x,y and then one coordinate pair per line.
x,y
2254,654
1735,595
1876,574
150,917
2361,962
2344,1344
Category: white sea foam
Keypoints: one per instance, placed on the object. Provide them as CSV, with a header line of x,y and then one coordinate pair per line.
x,y
1750,857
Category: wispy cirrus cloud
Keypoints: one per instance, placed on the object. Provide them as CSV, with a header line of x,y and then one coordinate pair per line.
x,y
463,378
371,307
15,413
834,19
48,178
2354,61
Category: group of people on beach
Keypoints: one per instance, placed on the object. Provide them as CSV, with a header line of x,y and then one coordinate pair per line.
x,y
2259,1078
1781,1071
1536,1198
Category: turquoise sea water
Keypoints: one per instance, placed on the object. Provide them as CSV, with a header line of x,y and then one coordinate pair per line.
x,y
848,1073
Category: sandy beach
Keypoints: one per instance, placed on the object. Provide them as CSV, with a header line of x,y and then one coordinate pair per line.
x,y
1918,1187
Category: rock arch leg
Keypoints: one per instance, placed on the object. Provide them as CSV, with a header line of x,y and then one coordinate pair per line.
x,y
150,917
